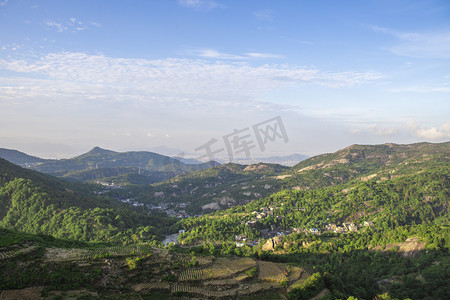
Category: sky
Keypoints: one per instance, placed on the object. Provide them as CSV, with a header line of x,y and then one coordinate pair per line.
x,y
200,77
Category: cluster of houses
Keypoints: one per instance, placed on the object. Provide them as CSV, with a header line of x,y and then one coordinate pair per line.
x,y
273,231
265,212
346,227
173,209
110,185
241,241
132,202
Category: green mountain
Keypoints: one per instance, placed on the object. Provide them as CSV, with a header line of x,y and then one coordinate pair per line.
x,y
211,189
234,184
108,166
37,203
101,158
358,161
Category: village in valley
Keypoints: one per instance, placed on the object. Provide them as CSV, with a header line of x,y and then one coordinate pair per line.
x,y
273,234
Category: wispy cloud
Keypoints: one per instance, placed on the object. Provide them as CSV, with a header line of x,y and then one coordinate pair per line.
x,y
215,54
3,3
73,25
58,26
266,15
12,47
262,55
73,77
382,130
212,53
199,4
434,44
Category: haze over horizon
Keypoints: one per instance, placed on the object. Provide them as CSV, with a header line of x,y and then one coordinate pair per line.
x,y
136,75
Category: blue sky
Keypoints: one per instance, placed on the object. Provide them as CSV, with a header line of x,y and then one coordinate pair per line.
x,y
135,75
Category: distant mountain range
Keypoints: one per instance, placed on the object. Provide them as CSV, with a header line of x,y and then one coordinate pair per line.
x,y
106,165
239,184
204,187
134,167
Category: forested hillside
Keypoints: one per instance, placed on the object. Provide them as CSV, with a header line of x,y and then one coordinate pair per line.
x,y
36,203
234,184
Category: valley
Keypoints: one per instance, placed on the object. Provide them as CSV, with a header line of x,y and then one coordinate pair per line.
x,y
369,222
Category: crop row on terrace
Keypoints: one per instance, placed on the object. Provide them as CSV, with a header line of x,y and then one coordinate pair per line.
x,y
219,282
7,254
243,290
12,253
116,251
222,268
190,275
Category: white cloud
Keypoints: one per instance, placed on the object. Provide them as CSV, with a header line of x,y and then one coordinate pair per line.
x,y
211,53
262,55
215,54
74,77
199,4
382,131
12,47
73,25
58,26
430,133
3,3
265,15
419,44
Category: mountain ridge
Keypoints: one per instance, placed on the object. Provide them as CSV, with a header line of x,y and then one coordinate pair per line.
x,y
125,163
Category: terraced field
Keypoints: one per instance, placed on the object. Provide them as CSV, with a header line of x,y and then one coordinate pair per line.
x,y
226,278
61,254
222,267
12,253
176,275
272,272
232,292
299,281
